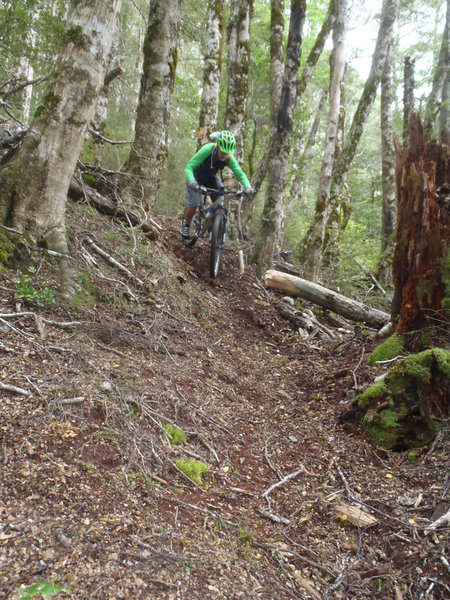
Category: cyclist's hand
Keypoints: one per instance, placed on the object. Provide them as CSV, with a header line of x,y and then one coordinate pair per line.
x,y
193,185
249,191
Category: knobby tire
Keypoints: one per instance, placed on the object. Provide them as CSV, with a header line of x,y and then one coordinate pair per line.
x,y
217,235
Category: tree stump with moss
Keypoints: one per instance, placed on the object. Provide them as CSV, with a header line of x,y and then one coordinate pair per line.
x,y
409,407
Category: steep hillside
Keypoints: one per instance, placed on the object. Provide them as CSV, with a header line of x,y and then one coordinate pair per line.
x,y
94,498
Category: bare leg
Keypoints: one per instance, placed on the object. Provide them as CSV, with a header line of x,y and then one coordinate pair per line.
x,y
189,213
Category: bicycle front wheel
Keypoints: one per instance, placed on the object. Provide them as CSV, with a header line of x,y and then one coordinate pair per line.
x,y
217,241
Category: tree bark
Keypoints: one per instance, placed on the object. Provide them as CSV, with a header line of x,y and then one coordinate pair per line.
x,y
317,234
421,259
212,67
276,59
273,206
34,188
387,167
149,151
238,71
313,292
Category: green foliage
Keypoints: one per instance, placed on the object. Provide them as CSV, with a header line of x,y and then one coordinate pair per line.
x,y
26,291
6,249
176,436
41,588
390,348
194,469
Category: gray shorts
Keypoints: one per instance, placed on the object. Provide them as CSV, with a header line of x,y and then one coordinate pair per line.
x,y
192,197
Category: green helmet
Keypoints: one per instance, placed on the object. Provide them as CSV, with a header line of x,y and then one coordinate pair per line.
x,y
226,142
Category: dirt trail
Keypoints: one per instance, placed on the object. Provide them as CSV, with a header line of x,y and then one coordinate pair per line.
x,y
92,498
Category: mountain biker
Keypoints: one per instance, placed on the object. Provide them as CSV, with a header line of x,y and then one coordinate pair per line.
x,y
202,170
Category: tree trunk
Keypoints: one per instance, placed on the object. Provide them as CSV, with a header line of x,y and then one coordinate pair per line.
x,y
238,70
34,187
150,148
342,165
317,235
276,59
387,168
408,96
273,206
305,77
440,75
316,50
237,94
313,292
276,79
212,66
421,259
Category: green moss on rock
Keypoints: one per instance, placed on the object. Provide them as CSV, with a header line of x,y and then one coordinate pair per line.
x,y
390,348
405,409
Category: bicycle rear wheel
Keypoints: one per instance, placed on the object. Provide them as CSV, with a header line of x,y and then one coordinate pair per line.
x,y
217,240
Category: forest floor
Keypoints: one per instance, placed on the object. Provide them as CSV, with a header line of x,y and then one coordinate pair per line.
x,y
92,502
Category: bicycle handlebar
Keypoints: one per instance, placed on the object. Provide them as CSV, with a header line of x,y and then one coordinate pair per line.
x,y
222,192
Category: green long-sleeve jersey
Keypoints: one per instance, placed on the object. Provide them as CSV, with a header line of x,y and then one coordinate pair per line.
x,y
203,165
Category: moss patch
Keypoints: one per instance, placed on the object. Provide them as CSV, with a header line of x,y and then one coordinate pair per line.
x,y
6,249
194,469
409,406
390,348
176,436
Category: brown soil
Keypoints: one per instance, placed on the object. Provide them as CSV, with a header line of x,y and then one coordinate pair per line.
x,y
91,497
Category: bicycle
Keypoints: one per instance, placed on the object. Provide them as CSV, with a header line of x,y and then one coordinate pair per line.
x,y
213,219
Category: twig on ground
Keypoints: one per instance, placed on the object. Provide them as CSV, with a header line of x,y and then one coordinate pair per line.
x,y
266,455
112,261
12,388
77,400
355,382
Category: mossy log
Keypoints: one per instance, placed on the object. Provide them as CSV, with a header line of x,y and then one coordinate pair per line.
x,y
410,405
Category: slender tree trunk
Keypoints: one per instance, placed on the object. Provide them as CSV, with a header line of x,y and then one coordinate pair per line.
x,y
342,165
271,220
238,90
387,168
444,115
421,259
297,180
305,77
323,197
276,59
148,155
408,96
238,71
34,188
316,50
276,79
212,59
440,75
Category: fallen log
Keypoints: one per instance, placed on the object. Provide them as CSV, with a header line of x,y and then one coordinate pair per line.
x,y
351,309
104,205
